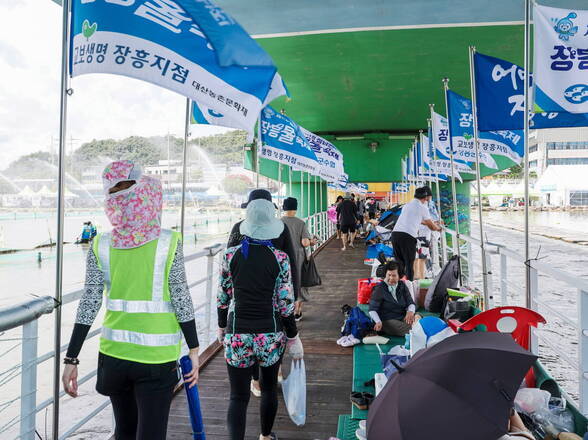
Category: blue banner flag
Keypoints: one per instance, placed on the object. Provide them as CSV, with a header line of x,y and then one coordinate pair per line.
x,y
189,47
329,157
283,141
507,143
500,99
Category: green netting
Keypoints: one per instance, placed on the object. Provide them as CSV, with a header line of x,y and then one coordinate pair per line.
x,y
346,427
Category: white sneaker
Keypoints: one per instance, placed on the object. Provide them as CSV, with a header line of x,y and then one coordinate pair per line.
x,y
360,434
254,390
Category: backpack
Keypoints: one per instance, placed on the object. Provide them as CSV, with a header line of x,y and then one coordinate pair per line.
x,y
357,324
436,298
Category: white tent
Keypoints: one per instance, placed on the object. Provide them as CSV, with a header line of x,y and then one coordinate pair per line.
x,y
559,182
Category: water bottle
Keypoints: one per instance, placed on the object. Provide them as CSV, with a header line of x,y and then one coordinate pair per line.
x,y
407,341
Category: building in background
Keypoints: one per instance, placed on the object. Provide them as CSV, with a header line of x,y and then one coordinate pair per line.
x,y
560,159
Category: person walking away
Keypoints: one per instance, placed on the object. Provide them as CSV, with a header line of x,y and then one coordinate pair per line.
x,y
282,242
86,235
347,211
372,208
139,267
404,234
360,214
337,203
391,305
256,316
301,240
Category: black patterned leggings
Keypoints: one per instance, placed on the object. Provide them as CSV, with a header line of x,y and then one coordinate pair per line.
x,y
240,380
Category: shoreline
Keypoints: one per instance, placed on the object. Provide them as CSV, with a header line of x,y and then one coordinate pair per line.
x,y
546,232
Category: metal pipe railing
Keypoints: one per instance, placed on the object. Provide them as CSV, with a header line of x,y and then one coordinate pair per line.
x,y
26,315
538,337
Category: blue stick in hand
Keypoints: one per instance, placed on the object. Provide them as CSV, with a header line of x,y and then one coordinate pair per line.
x,y
193,402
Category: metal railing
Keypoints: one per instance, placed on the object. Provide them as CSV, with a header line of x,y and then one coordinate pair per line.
x,y
505,289
26,315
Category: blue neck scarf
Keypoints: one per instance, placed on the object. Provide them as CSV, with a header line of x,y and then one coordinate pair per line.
x,y
248,241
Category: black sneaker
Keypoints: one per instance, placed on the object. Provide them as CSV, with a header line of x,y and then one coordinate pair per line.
x,y
298,317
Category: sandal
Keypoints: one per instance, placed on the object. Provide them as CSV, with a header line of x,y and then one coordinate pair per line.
x,y
358,400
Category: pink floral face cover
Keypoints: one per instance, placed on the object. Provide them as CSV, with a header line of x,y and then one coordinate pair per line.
x,y
135,213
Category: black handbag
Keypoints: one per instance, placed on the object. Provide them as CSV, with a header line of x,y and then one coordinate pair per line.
x,y
310,276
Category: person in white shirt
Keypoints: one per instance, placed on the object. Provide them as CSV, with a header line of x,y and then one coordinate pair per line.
x,y
414,213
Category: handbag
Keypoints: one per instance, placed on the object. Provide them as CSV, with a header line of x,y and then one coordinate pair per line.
x,y
310,276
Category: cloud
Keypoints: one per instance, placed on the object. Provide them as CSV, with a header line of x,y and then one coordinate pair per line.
x,y
11,56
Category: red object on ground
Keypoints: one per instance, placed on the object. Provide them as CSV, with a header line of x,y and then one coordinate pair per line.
x,y
365,286
514,320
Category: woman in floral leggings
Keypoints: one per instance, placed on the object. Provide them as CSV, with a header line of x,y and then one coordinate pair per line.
x,y
256,316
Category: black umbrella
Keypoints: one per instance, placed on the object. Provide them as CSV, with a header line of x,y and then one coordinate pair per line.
x,y
463,388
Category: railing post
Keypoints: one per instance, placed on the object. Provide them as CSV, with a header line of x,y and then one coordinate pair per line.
x,y
503,280
583,349
534,288
489,277
28,382
209,279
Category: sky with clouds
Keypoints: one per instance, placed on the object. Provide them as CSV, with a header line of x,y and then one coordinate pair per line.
x,y
102,106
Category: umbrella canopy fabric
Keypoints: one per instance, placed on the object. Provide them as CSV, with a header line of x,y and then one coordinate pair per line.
x,y
462,388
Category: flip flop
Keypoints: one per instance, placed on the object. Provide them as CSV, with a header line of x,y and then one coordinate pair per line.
x,y
358,400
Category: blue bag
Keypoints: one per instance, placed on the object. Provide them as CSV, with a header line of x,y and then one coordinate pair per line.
x,y
357,323
294,390
374,250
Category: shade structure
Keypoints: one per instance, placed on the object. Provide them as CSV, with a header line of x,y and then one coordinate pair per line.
x,y
460,389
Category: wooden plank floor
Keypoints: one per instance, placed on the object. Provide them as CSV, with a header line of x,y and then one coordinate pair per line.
x,y
328,366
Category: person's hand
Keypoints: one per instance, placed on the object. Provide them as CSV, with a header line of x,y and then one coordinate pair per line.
x,y
297,307
192,377
295,347
378,326
409,318
70,380
220,334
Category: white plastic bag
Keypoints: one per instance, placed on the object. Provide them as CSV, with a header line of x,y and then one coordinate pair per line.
x,y
438,337
531,400
294,389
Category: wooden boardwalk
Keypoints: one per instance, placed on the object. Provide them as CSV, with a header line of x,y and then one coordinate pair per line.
x,y
328,366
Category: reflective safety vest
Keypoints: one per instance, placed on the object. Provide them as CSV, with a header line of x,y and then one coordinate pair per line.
x,y
140,324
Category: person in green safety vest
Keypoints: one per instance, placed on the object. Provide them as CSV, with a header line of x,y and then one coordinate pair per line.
x,y
139,267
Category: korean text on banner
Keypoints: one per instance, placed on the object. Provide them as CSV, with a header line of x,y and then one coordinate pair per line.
x,y
329,157
500,99
160,42
284,142
461,127
440,138
561,59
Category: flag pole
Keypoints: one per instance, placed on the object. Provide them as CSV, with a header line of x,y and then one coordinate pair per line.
x,y
308,196
258,147
424,177
453,187
185,167
289,180
60,213
301,193
437,191
527,67
279,189
487,294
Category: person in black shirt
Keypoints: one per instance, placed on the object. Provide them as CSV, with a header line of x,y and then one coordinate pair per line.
x,y
256,316
347,214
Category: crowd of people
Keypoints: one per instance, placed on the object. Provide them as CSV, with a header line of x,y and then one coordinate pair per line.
x,y
138,268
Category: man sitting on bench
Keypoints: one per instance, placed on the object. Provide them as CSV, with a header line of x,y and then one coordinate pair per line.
x,y
391,305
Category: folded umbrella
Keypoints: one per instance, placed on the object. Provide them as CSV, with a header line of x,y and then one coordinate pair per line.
x,y
193,402
463,388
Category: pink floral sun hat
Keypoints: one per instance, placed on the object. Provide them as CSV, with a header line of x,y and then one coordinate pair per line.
x,y
135,213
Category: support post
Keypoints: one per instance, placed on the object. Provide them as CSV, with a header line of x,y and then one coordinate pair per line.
x,y
503,280
453,189
209,280
28,382
472,51
534,285
527,67
582,302
185,167
60,214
